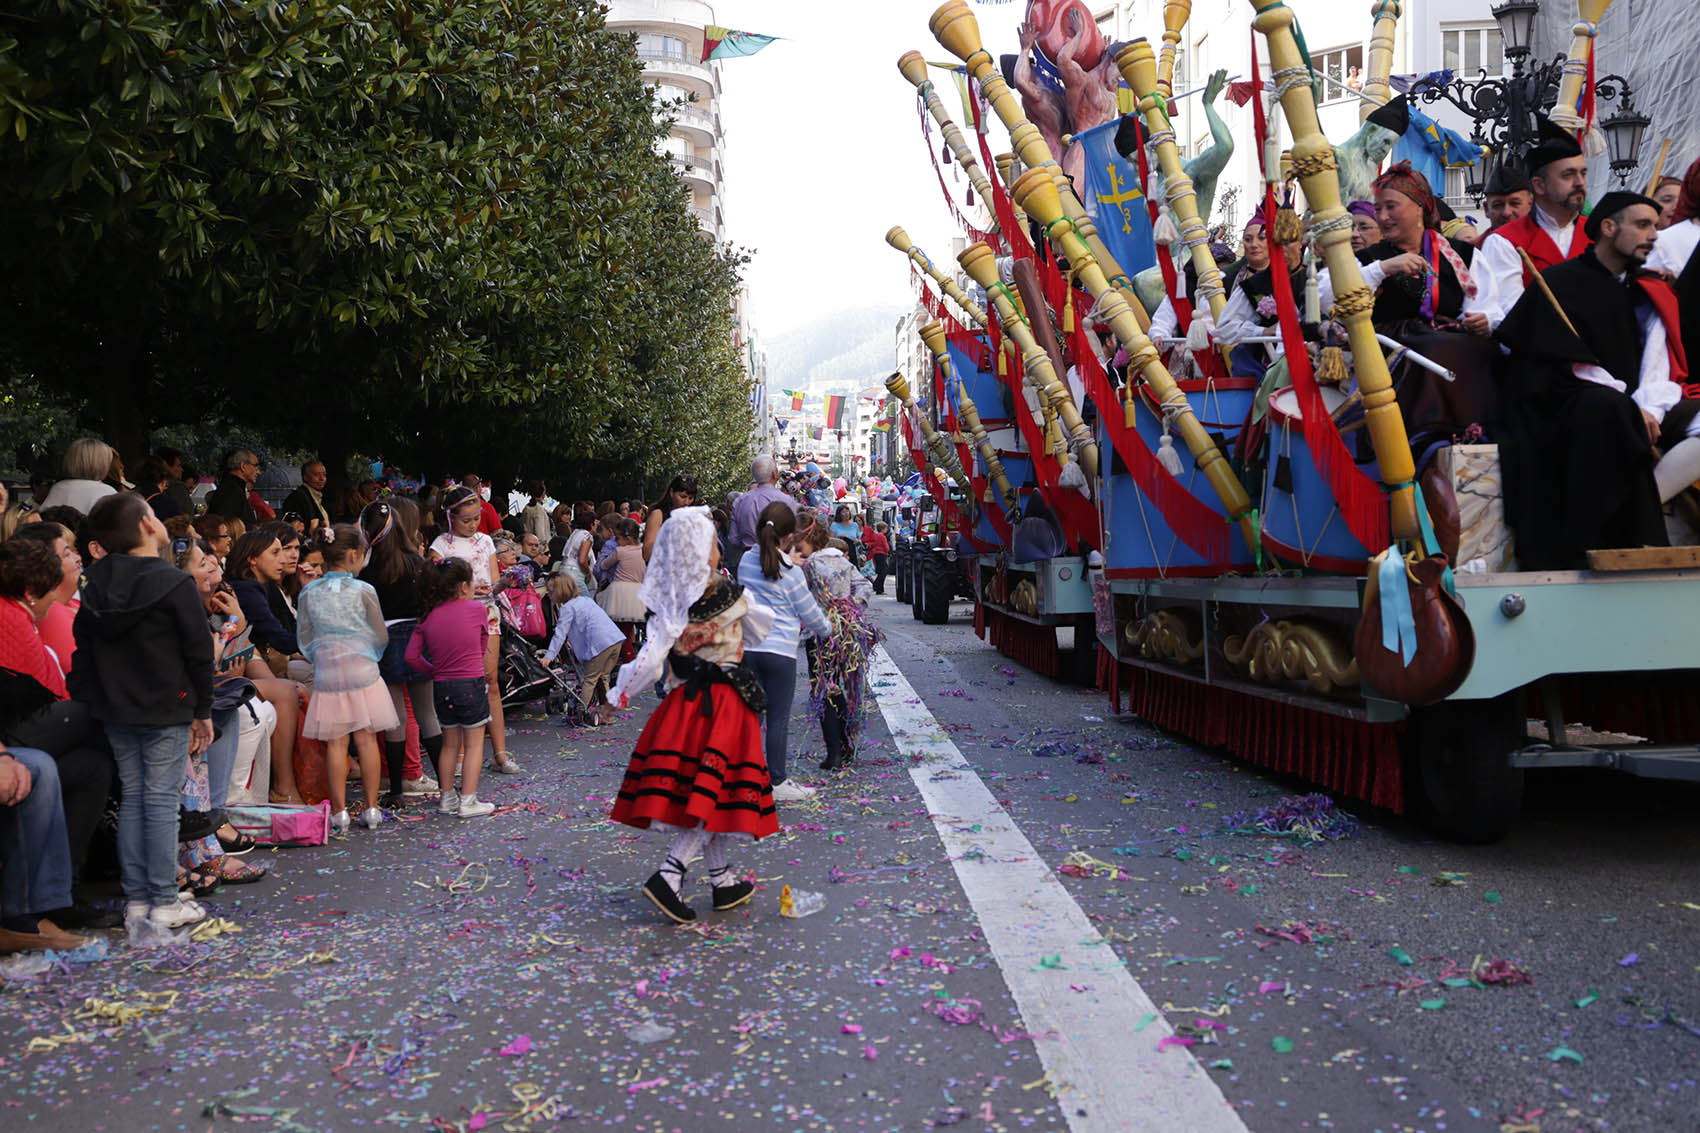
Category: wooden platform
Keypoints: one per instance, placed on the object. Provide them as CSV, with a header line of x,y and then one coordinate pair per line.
x,y
1645,558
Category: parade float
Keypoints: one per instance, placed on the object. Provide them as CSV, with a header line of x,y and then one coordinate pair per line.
x,y
1259,574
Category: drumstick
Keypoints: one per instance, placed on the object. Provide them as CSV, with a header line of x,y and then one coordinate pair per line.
x,y
1547,291
1659,168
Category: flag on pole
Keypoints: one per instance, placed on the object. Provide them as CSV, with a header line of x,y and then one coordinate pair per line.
x,y
834,410
816,433
725,43
796,396
881,426
1114,200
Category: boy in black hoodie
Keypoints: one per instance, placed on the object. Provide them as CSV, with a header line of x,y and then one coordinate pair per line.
x,y
144,667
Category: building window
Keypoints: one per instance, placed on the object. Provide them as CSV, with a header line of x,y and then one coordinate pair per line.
x,y
1458,188
1345,66
660,47
1470,51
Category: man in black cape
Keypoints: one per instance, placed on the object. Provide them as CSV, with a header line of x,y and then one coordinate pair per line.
x,y
1583,408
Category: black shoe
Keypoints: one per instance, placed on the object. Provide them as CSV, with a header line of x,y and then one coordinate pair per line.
x,y
81,914
193,825
833,761
733,895
659,892
395,800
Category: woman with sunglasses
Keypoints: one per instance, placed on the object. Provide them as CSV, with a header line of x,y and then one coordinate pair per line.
x,y
462,510
681,492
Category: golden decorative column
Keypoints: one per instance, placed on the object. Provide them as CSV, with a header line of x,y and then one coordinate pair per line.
x,y
1378,66
1589,13
933,335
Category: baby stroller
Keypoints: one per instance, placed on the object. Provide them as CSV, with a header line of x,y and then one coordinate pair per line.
x,y
526,680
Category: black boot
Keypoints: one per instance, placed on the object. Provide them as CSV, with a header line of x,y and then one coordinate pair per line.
x,y
432,746
834,760
395,755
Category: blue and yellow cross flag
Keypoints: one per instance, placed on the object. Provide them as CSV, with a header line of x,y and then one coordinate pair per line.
x,y
1114,197
1432,148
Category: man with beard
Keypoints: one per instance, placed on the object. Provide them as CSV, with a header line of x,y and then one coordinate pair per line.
x,y
1551,233
1506,198
1592,392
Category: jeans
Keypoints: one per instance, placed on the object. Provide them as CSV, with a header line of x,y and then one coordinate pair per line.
x,y
835,711
221,756
67,732
152,762
35,858
778,677
880,564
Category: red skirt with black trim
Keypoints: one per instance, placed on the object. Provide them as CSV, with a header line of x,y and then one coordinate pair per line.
x,y
694,770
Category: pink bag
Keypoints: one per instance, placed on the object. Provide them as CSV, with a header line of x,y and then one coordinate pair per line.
x,y
525,612
278,824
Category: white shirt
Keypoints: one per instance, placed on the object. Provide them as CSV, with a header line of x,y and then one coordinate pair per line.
x,y
1655,392
80,494
1498,269
476,552
1675,247
1165,323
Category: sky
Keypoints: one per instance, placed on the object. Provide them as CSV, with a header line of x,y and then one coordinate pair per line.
x,y
824,151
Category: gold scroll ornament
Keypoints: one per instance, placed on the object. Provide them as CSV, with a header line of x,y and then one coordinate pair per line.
x,y
955,27
933,335
1139,67
1589,13
943,456
914,68
982,267
1175,15
1039,197
1294,649
1314,163
899,239
1378,69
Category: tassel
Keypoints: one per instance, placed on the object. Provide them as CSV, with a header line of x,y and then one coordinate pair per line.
x,y
1331,366
1130,415
1165,232
946,155
1198,335
1068,309
1288,230
970,198
1166,454
1003,365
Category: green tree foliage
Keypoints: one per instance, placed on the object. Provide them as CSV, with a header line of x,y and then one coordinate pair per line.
x,y
439,232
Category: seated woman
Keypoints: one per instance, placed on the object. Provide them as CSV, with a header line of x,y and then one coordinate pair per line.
x,y
1365,231
1420,278
254,565
1250,312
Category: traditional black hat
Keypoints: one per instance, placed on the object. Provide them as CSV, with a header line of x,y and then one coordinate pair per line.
x,y
1553,143
1395,116
1610,205
1130,135
1505,180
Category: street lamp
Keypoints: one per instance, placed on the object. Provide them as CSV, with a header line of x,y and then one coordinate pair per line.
x,y
1504,109
1516,20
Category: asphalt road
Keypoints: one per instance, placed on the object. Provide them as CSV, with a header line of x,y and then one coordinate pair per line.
x,y
973,968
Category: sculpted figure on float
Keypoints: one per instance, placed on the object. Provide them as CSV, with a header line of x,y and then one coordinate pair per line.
x,y
1064,32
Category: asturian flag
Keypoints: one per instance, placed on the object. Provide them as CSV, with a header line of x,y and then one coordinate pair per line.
x,y
1116,201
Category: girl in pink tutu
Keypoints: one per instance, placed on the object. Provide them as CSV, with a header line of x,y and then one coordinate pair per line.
x,y
340,627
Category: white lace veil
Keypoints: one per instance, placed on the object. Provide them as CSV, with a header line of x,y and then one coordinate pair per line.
x,y
675,578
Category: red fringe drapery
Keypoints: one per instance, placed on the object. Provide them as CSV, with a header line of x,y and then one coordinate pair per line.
x,y
1028,645
1661,707
1349,757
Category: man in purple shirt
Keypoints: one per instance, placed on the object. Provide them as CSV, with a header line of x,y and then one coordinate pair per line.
x,y
764,490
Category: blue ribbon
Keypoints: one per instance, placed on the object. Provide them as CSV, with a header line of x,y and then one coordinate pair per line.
x,y
1398,623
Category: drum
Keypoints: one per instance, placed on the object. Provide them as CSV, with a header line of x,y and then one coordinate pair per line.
x,y
1140,543
1300,522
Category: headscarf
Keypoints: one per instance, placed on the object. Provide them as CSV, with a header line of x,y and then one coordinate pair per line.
x,y
1402,178
1362,208
676,577
1688,201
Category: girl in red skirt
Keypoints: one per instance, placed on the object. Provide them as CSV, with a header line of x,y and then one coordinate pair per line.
x,y
698,770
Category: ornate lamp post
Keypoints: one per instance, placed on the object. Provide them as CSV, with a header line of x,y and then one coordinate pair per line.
x,y
1503,109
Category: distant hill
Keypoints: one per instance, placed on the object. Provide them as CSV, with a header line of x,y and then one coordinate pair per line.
x,y
846,348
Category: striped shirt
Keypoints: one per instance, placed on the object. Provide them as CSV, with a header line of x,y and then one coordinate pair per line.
x,y
794,607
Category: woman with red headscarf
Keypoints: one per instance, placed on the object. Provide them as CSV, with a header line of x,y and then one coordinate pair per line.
x,y
1421,279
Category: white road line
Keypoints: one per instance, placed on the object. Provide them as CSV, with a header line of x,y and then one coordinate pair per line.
x,y
1096,1060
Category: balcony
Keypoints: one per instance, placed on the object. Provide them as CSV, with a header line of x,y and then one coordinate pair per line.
x,y
701,172
694,76
700,126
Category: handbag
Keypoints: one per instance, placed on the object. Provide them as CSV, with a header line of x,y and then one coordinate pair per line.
x,y
280,824
1414,643
525,612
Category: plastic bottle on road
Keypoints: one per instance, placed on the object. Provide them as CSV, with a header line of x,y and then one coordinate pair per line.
x,y
801,903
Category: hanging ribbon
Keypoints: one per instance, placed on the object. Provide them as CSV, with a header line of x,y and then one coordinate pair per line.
x,y
968,226
1357,496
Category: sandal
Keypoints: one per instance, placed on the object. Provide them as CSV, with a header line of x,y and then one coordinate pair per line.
x,y
284,799
240,844
233,872
200,880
